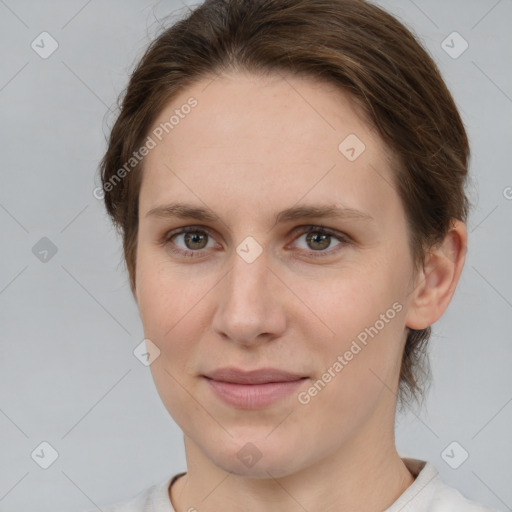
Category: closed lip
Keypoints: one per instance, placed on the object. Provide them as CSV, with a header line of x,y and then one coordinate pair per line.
x,y
260,376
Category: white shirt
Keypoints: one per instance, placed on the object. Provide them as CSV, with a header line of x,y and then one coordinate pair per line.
x,y
426,494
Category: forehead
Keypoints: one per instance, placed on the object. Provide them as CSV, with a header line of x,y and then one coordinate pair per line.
x,y
264,143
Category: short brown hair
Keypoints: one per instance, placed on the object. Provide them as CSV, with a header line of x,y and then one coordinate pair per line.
x,y
350,43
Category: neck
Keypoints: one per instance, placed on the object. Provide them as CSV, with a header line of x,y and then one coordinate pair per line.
x,y
359,477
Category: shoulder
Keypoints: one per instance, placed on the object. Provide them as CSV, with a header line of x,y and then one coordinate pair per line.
x,y
138,503
154,499
450,499
428,493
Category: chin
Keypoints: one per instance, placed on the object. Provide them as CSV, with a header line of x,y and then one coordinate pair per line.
x,y
257,458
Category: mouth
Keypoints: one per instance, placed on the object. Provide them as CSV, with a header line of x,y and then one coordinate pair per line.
x,y
254,389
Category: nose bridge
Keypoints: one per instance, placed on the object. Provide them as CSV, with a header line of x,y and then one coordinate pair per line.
x,y
247,306
248,279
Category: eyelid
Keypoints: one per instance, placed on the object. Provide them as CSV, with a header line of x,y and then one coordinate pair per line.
x,y
305,228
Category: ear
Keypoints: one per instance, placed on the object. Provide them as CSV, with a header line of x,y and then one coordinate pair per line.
x,y
436,283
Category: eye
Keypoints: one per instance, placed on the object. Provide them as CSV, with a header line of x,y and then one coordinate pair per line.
x,y
318,239
194,241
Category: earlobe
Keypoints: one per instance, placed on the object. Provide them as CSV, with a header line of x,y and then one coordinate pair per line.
x,y
436,283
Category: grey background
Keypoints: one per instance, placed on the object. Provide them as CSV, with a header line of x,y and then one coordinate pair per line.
x,y
69,325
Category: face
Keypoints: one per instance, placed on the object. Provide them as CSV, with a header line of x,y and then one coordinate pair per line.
x,y
249,288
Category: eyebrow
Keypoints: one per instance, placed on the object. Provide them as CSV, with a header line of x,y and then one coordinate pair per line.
x,y
189,211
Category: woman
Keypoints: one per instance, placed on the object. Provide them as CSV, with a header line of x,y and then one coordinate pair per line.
x,y
288,178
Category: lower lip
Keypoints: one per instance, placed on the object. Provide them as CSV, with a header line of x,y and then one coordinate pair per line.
x,y
253,396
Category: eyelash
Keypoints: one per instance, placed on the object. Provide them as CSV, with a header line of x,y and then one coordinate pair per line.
x,y
166,240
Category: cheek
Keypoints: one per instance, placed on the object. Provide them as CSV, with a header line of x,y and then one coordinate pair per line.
x,y
363,345
163,295
174,311
345,303
171,309
356,376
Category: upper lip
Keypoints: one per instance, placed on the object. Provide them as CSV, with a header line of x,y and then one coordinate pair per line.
x,y
261,376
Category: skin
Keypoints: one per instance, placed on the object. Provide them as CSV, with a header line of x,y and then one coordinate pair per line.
x,y
236,153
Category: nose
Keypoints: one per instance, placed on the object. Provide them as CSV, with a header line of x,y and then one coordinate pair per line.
x,y
250,303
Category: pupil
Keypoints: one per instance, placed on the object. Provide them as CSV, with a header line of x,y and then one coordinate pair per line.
x,y
194,237
325,239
